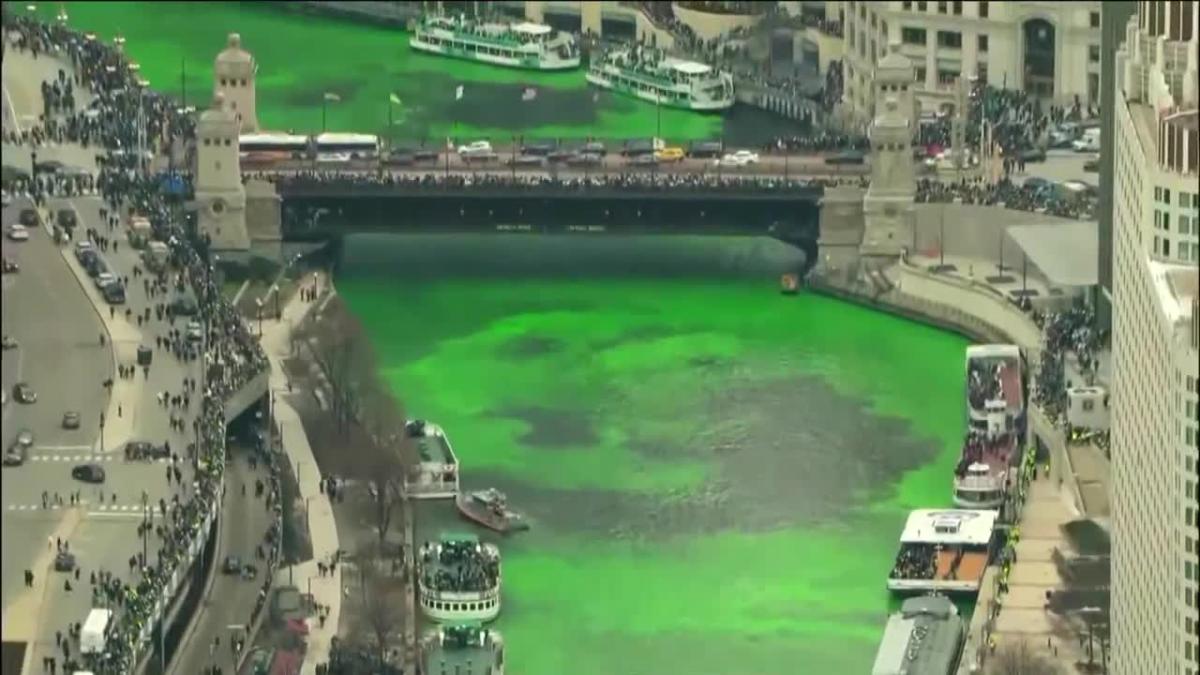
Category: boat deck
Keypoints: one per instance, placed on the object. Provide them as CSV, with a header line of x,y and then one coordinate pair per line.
x,y
1010,381
470,660
970,567
434,449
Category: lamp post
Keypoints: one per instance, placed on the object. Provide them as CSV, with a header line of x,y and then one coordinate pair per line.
x,y
275,290
258,311
101,432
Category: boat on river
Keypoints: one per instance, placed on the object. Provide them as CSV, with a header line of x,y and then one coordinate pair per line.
x,y
463,649
926,636
649,74
527,45
489,508
458,579
991,452
944,550
435,475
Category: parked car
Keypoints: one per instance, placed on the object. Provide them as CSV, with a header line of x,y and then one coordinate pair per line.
x,y
560,155
104,279
11,266
425,155
64,561
18,232
647,160
114,294
88,473
28,218
738,158
70,419
183,307
585,159
399,158
476,148
706,150
1092,165
1037,185
23,393
67,219
232,565
846,157
669,155
538,148
82,248
594,148
528,161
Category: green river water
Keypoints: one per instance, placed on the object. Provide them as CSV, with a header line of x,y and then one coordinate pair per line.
x,y
717,474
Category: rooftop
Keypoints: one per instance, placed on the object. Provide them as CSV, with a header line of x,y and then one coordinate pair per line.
x,y
949,526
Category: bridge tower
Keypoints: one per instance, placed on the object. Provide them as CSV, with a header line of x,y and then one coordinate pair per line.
x,y
220,197
895,77
888,206
234,72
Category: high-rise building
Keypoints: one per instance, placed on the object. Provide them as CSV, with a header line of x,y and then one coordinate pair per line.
x,y
1156,329
1049,49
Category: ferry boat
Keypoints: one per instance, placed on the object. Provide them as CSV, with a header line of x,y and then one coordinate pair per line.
x,y
926,636
463,649
532,46
649,74
489,508
435,475
991,452
458,579
944,551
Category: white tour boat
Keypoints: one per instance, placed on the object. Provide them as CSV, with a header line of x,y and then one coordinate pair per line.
x,y
991,452
532,46
944,550
435,475
458,579
649,74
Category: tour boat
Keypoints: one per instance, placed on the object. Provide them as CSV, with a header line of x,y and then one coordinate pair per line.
x,y
464,648
944,551
926,636
649,74
458,579
532,46
991,452
489,509
435,475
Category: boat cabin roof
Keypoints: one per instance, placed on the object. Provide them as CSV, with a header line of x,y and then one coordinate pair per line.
x,y
949,526
688,67
447,537
529,28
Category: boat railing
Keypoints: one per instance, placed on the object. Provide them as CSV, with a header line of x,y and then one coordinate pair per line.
x,y
506,38
435,595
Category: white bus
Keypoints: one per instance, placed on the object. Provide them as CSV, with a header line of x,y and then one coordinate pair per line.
x,y
272,147
333,147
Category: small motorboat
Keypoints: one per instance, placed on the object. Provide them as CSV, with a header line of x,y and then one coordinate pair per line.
x,y
489,508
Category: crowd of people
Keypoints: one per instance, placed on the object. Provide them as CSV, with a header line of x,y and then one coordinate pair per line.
x,y
915,561
1071,331
646,181
232,355
1022,197
459,566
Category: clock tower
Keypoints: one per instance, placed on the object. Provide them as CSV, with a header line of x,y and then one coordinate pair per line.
x,y
220,197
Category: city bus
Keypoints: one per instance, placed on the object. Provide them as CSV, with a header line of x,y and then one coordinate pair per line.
x,y
334,147
271,147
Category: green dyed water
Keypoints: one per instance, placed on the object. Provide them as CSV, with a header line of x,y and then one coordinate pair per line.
x,y
716,474
301,58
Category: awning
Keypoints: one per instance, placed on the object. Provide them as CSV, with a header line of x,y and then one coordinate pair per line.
x,y
1066,253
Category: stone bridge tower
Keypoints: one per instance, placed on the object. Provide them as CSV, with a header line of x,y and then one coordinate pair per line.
x,y
888,206
233,77
220,197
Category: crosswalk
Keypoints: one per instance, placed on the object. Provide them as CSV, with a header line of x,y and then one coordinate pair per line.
x,y
102,510
107,457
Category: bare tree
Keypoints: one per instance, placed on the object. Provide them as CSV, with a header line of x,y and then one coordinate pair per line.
x,y
1018,658
381,608
344,356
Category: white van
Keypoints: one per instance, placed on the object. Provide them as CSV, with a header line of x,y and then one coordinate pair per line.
x,y
94,634
1088,142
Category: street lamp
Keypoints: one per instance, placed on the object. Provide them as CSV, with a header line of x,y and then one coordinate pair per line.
x,y
275,290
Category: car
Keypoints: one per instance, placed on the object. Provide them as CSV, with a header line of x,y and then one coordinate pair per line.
x,y
70,419
395,158
738,158
476,148
195,332
560,155
64,561
88,473
539,148
18,232
18,452
23,393
669,155
11,266
135,450
232,565
1092,165
28,218
1060,139
1032,155
8,342
846,157
114,294
638,147
425,155
526,161
594,148
1037,185
642,160
585,159
1090,142
104,279
183,307
67,219
82,248
706,150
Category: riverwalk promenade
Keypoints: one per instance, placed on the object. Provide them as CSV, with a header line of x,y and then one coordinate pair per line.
x,y
324,590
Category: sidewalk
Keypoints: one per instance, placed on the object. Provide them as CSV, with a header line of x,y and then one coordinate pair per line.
x,y
322,529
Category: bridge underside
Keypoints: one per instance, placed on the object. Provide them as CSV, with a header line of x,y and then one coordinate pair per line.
x,y
322,217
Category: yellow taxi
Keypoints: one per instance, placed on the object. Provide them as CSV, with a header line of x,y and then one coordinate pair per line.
x,y
669,155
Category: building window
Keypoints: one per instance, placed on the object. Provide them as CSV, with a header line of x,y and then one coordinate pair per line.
x,y
922,6
222,82
912,36
1093,53
946,77
921,75
942,7
982,43
1166,248
1095,19
907,6
957,9
983,9
949,39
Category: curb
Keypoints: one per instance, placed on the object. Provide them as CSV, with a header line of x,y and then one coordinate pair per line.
x,y
186,639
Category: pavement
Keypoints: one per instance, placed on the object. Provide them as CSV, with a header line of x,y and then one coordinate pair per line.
x,y
325,590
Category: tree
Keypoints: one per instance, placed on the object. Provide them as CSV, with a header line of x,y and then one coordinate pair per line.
x,y
1018,658
382,610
